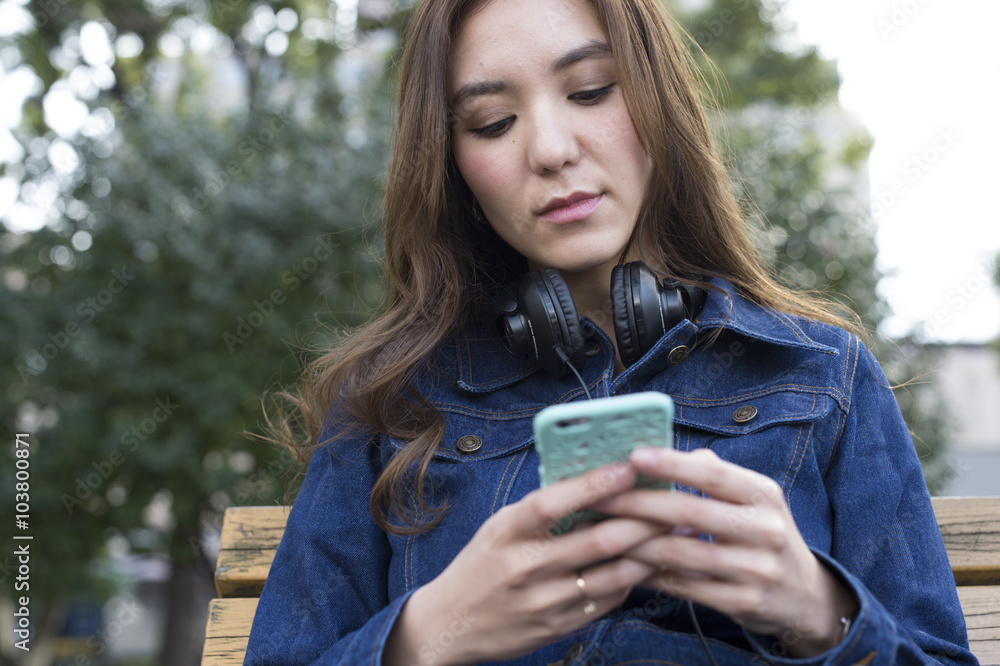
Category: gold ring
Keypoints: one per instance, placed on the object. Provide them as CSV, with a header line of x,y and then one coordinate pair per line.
x,y
589,607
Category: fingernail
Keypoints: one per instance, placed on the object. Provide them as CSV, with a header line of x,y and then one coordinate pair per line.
x,y
643,456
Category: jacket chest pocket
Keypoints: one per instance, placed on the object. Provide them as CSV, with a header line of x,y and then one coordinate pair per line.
x,y
772,433
482,463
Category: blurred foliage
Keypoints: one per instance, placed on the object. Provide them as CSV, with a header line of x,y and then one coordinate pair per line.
x,y
800,165
205,226
207,223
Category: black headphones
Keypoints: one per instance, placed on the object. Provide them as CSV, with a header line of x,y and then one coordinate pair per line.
x,y
540,321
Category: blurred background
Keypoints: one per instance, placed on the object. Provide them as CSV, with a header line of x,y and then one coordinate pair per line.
x,y
189,200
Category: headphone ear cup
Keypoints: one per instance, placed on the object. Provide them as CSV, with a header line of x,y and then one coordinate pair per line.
x,y
641,316
554,322
621,315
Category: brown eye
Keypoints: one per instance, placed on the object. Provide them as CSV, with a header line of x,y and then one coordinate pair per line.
x,y
592,96
493,130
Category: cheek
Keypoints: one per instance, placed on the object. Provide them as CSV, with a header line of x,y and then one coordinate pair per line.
x,y
629,149
486,173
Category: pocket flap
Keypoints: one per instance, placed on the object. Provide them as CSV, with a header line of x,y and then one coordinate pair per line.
x,y
751,412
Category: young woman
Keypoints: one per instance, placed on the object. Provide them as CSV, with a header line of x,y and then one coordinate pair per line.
x,y
567,135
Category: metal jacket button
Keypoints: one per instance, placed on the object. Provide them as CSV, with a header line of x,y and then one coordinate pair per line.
x,y
469,444
678,355
745,413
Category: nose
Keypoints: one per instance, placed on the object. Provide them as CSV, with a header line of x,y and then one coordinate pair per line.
x,y
553,141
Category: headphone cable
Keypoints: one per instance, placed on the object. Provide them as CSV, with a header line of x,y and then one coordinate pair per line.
x,y
697,628
564,357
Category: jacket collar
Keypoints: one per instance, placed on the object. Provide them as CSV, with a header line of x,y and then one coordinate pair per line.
x,y
485,366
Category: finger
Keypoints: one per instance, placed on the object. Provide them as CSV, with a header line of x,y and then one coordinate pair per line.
x,y
543,508
704,470
585,547
703,559
741,603
755,523
602,588
617,577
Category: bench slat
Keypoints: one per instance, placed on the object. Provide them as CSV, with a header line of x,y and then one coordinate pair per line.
x,y
250,535
970,527
981,607
227,631
229,623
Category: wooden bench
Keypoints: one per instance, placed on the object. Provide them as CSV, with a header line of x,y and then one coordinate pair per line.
x,y
970,527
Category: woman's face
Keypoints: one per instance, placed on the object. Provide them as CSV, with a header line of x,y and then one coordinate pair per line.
x,y
541,133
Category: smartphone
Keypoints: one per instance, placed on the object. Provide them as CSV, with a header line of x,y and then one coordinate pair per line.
x,y
577,437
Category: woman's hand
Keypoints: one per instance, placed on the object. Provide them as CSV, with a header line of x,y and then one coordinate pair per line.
x,y
758,570
513,588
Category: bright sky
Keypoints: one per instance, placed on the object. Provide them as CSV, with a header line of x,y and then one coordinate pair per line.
x,y
922,76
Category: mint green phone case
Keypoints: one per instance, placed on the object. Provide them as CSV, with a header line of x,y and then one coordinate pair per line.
x,y
576,437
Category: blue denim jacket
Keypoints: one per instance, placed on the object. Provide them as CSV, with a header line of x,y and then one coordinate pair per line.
x,y
827,429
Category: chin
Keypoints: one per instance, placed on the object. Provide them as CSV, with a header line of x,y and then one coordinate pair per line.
x,y
576,264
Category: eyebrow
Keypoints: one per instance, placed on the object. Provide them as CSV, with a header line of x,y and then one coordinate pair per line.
x,y
591,49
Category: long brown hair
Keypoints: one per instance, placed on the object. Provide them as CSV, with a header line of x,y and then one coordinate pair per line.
x,y
438,257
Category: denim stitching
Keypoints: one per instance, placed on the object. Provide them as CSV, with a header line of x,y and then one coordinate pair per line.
x,y
513,477
795,453
742,430
796,331
465,369
841,422
805,448
832,391
493,508
854,371
810,439
802,459
852,343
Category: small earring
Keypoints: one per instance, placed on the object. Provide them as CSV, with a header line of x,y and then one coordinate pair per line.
x,y
477,216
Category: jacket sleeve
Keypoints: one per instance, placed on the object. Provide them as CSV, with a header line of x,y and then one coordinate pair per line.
x,y
886,544
326,598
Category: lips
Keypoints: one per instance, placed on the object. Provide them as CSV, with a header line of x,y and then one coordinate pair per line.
x,y
576,206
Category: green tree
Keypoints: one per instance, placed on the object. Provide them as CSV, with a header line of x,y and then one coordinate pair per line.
x,y
194,246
